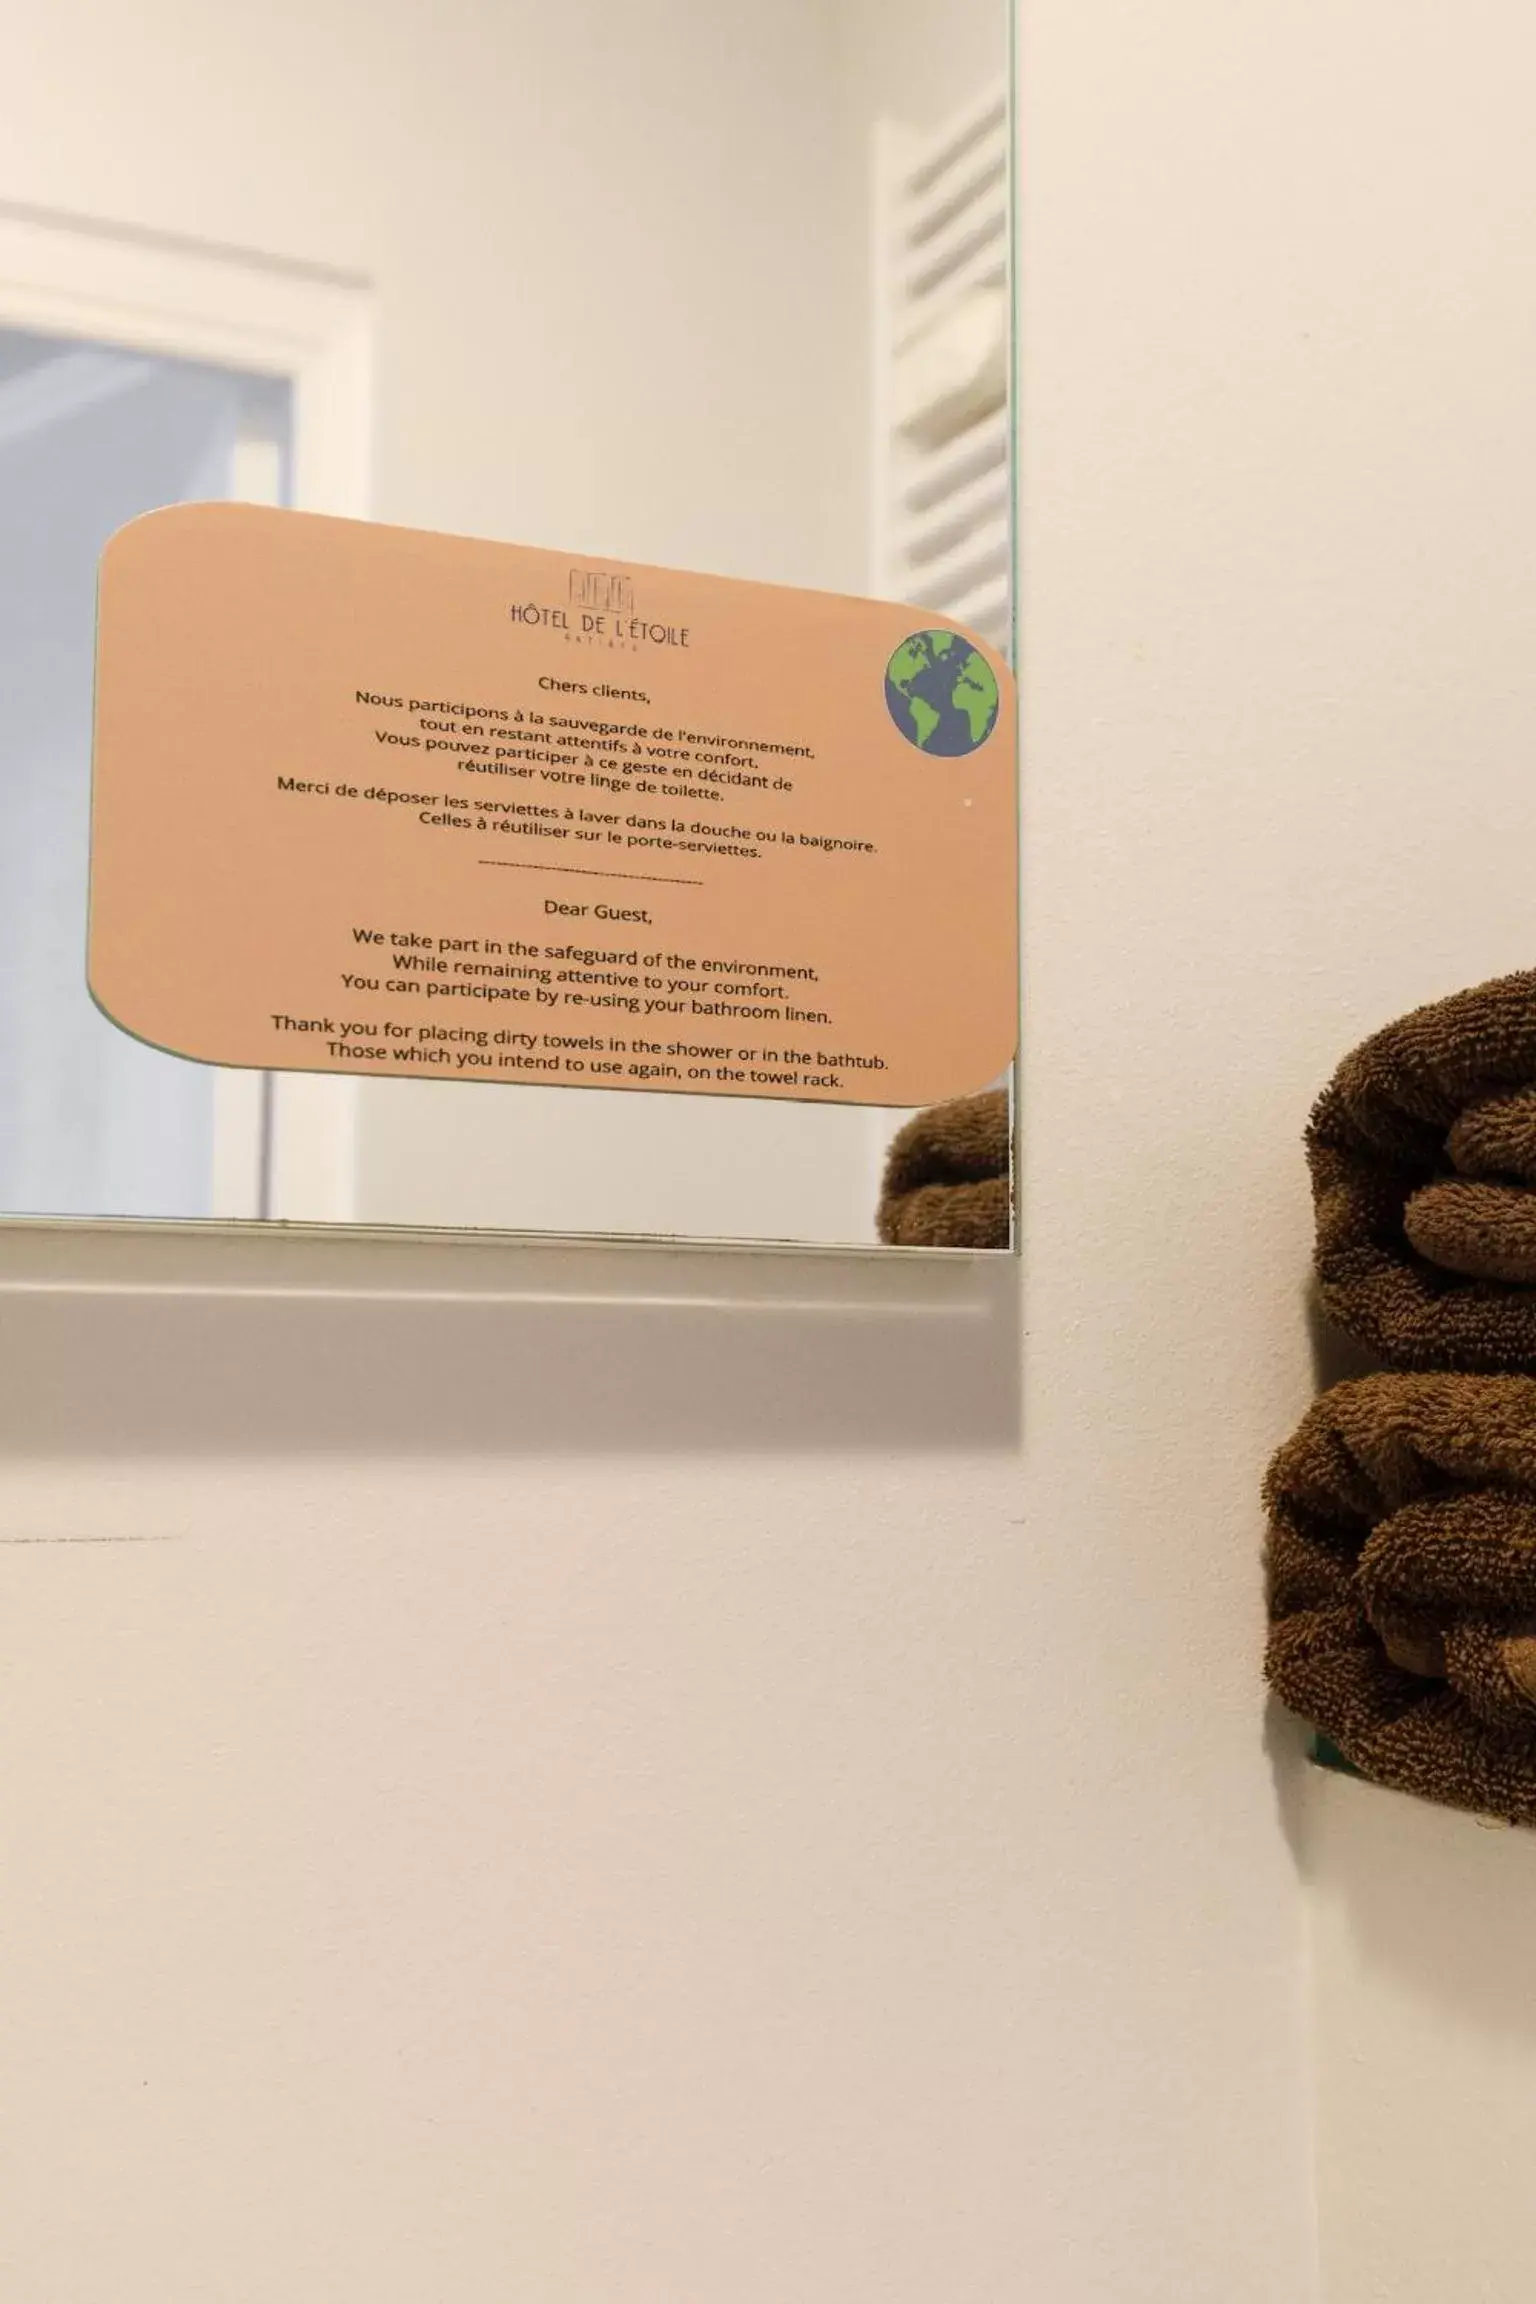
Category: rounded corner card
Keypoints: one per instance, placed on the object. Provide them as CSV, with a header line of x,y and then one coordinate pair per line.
x,y
375,801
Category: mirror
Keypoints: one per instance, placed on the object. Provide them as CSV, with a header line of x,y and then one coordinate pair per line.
x,y
836,395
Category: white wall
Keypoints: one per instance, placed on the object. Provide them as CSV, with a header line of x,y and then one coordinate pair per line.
x,y
919,60
632,1795
1280,496
1425,2046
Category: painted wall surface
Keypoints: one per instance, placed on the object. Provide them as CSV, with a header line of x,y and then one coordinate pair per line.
x,y
1280,495
1425,2043
918,60
638,1791
1312,420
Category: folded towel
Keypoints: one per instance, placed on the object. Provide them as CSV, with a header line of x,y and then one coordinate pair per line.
x,y
1402,1584
948,1177
1423,1158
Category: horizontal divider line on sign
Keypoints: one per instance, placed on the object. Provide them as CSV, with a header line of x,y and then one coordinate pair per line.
x,y
587,872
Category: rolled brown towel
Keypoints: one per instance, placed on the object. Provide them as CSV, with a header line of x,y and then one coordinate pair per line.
x,y
1402,1584
948,1177
1423,1158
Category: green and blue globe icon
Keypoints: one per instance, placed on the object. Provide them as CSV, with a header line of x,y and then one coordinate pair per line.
x,y
942,694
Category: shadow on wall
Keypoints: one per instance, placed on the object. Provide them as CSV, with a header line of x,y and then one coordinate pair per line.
x,y
1336,1358
1287,1746
1434,1907
798,1354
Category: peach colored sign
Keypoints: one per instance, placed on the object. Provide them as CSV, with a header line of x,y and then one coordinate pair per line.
x,y
374,801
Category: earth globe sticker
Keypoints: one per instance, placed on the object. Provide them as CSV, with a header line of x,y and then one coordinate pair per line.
x,y
942,694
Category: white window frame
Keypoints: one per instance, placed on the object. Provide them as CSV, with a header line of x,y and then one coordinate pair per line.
x,y
287,1149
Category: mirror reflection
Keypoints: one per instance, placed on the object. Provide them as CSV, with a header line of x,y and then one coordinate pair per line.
x,y
803,274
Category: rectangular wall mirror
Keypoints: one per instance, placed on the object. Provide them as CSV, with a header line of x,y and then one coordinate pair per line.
x,y
812,332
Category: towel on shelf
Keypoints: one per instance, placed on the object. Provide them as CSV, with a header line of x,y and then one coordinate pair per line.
x,y
1423,1158
948,1177
1402,1584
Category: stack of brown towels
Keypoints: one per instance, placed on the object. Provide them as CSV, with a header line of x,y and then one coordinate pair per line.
x,y
948,1177
1402,1537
